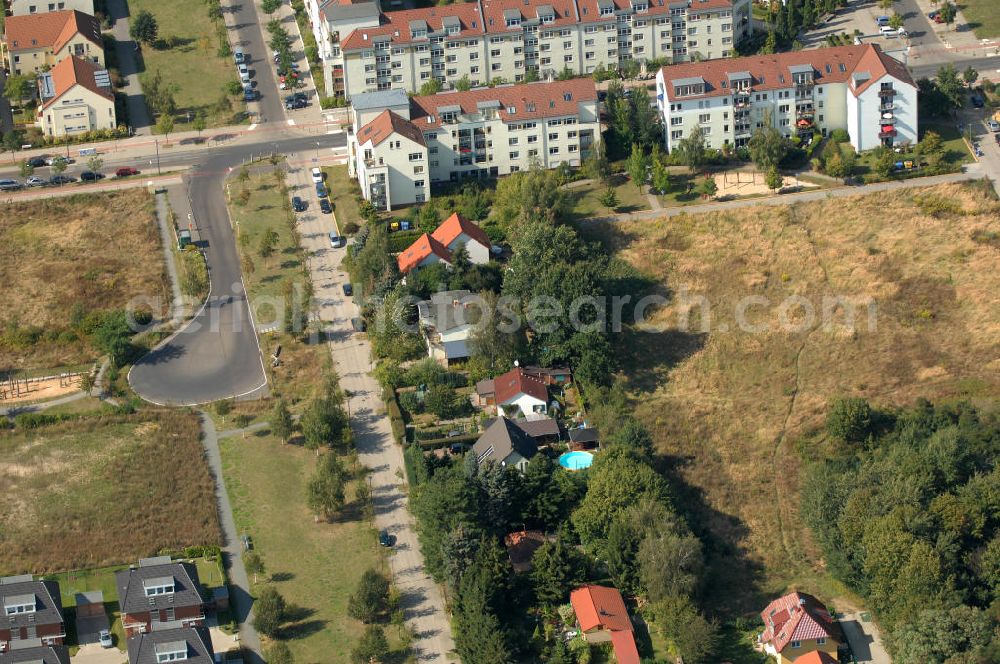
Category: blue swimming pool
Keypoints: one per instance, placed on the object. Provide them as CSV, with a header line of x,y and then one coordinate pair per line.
x,y
576,460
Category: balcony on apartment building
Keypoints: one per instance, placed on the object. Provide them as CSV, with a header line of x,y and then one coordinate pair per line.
x,y
887,131
886,93
743,129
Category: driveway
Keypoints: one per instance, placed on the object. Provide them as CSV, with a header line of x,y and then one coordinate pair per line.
x,y
864,637
92,653
422,601
89,629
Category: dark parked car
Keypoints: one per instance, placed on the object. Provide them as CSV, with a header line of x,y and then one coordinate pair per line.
x,y
294,102
324,206
10,185
348,290
36,162
90,176
298,204
126,171
61,179
321,190
977,101
385,539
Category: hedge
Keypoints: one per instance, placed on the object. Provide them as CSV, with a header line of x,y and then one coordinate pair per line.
x,y
400,240
395,416
437,443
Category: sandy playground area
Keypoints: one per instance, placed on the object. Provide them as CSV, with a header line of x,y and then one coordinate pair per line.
x,y
750,183
40,389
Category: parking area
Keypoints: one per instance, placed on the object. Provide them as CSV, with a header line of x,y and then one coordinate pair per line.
x,y
864,637
93,653
861,17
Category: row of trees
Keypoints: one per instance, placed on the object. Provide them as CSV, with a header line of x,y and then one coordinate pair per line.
x,y
907,513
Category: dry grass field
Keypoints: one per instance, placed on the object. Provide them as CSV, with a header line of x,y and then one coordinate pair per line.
x,y
729,405
103,490
86,252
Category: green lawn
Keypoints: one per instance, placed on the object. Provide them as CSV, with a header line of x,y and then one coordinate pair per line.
x,y
193,65
982,16
586,203
103,579
315,566
342,194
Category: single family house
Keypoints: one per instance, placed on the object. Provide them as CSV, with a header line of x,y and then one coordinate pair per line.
x,y
816,657
506,443
447,321
37,655
521,546
437,247
797,624
76,97
159,595
191,645
602,616
32,613
517,391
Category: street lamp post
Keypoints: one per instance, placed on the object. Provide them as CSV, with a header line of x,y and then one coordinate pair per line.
x,y
156,142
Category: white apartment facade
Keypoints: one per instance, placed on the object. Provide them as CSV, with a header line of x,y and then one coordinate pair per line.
x,y
856,88
22,7
365,50
455,136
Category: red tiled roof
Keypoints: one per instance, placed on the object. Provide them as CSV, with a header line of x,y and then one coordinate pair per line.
x,y
396,25
877,63
795,617
424,246
563,13
816,657
515,382
385,125
603,607
50,30
454,226
623,643
530,101
73,71
830,65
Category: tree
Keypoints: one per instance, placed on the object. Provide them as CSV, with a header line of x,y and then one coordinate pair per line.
x,y
670,565
281,421
692,149
695,637
939,634
850,420
479,636
59,167
371,598
931,147
144,28
773,179
896,21
768,147
637,166
326,488
431,87
885,162
950,85
463,84
371,647
609,199
596,166
970,76
948,12
253,563
165,124
269,6
18,87
279,653
885,4
660,177
199,123
531,75
95,163
556,568
13,140
26,169
708,187
269,612
268,241
317,429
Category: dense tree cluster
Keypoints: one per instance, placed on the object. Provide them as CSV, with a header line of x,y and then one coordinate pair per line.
x,y
908,514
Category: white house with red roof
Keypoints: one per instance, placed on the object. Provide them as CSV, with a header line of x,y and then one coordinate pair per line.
x,y
798,624
437,247
367,46
76,97
602,616
388,156
36,42
516,390
860,89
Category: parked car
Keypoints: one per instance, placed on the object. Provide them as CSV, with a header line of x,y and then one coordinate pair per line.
x,y
887,31
385,539
91,176
359,324
993,126
105,639
239,56
977,100
49,161
249,94
321,190
317,174
36,162
337,240
298,204
126,171
934,14
9,184
882,20
247,542
36,181
292,104
348,290
325,207
62,179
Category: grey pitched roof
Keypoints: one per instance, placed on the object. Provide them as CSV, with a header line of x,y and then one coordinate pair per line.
x,y
142,649
39,655
132,595
48,601
336,11
370,101
448,309
538,427
588,435
501,439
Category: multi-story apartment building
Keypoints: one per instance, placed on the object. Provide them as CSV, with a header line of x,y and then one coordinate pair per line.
x,y
36,42
76,97
22,7
364,50
857,88
397,150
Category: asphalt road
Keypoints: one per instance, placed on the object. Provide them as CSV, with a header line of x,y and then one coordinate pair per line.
x,y
216,355
987,67
241,17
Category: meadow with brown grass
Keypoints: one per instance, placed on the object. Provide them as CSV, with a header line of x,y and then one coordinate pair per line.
x,y
63,258
729,407
103,490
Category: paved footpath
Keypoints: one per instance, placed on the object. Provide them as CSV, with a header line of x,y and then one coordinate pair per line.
x,y
421,598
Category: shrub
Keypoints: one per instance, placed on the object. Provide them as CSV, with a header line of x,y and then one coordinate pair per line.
x,y
269,612
850,420
350,228
370,600
839,136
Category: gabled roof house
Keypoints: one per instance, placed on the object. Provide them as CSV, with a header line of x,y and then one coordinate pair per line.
x,y
516,390
447,321
36,41
191,645
32,613
797,624
455,231
506,443
159,595
37,655
602,616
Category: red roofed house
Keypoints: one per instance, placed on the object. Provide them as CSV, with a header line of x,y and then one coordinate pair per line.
x,y
76,98
454,232
798,624
518,391
602,616
816,657
388,156
36,41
